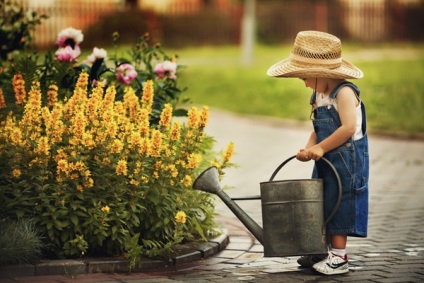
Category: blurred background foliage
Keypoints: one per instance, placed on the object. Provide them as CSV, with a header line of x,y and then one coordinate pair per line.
x,y
383,37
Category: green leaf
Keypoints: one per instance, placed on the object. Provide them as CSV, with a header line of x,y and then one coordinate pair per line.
x,y
74,219
73,205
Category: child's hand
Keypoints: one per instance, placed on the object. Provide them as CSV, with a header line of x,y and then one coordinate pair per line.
x,y
302,155
315,152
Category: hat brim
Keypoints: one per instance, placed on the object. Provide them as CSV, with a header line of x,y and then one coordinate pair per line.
x,y
286,69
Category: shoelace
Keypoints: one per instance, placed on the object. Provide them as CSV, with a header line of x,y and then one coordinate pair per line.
x,y
332,257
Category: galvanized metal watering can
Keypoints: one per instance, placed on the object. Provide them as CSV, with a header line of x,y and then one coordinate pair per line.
x,y
292,212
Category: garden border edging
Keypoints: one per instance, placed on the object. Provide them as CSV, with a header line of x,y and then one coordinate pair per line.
x,y
184,253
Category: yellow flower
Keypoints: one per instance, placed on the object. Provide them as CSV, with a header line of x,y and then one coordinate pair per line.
x,y
121,168
19,89
80,188
156,143
117,146
2,101
62,166
87,173
105,209
43,146
109,98
180,217
175,131
143,122
112,129
193,160
147,97
106,161
156,175
229,152
204,117
135,140
166,116
16,136
60,155
31,121
89,183
172,170
88,141
94,102
16,173
187,181
134,182
193,117
52,95
82,80
131,103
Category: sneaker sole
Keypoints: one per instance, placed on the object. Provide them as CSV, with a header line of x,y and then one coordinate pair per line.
x,y
333,272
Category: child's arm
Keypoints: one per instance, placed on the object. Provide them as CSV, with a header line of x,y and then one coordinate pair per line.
x,y
303,155
346,102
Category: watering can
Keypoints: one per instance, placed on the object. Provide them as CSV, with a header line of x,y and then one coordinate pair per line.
x,y
292,212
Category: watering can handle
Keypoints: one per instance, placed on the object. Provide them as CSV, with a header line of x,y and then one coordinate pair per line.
x,y
339,198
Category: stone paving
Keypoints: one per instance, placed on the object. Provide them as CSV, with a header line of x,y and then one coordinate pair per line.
x,y
393,251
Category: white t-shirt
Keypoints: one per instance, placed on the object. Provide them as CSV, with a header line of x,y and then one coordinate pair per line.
x,y
326,101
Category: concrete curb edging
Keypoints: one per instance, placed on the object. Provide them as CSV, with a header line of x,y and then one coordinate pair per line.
x,y
184,253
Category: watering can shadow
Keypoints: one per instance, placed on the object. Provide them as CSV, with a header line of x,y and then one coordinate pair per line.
x,y
292,212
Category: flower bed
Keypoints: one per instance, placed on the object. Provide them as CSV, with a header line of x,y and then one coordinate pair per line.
x,y
91,153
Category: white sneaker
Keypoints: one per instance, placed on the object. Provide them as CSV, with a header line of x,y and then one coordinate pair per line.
x,y
333,264
310,260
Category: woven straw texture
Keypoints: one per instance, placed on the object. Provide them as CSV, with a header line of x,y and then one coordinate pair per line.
x,y
315,55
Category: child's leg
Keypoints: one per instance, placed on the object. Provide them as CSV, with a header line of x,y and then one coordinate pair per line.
x,y
338,244
336,262
338,241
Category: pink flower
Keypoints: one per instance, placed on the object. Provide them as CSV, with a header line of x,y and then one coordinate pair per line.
x,y
125,73
166,69
98,53
69,37
68,53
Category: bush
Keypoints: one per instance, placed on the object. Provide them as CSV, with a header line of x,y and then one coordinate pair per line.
x,y
93,173
20,242
103,170
16,26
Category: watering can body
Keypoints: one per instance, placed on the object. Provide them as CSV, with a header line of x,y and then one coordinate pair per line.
x,y
293,217
292,212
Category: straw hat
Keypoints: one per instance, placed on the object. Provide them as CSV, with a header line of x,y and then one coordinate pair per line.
x,y
315,55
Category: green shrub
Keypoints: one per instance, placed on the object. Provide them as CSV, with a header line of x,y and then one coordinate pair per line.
x,y
92,171
20,242
91,153
16,25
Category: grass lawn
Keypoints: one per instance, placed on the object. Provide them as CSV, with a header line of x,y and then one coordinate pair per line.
x,y
392,89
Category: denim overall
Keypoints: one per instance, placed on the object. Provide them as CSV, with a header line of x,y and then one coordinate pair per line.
x,y
351,160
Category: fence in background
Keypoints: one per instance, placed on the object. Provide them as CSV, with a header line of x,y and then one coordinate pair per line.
x,y
219,21
79,14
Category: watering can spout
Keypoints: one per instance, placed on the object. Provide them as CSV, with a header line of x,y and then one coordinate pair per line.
x,y
208,181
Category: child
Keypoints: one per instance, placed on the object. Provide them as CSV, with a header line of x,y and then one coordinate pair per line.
x,y
339,135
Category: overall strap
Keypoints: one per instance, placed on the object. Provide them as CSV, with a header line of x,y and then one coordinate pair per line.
x,y
333,94
336,90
